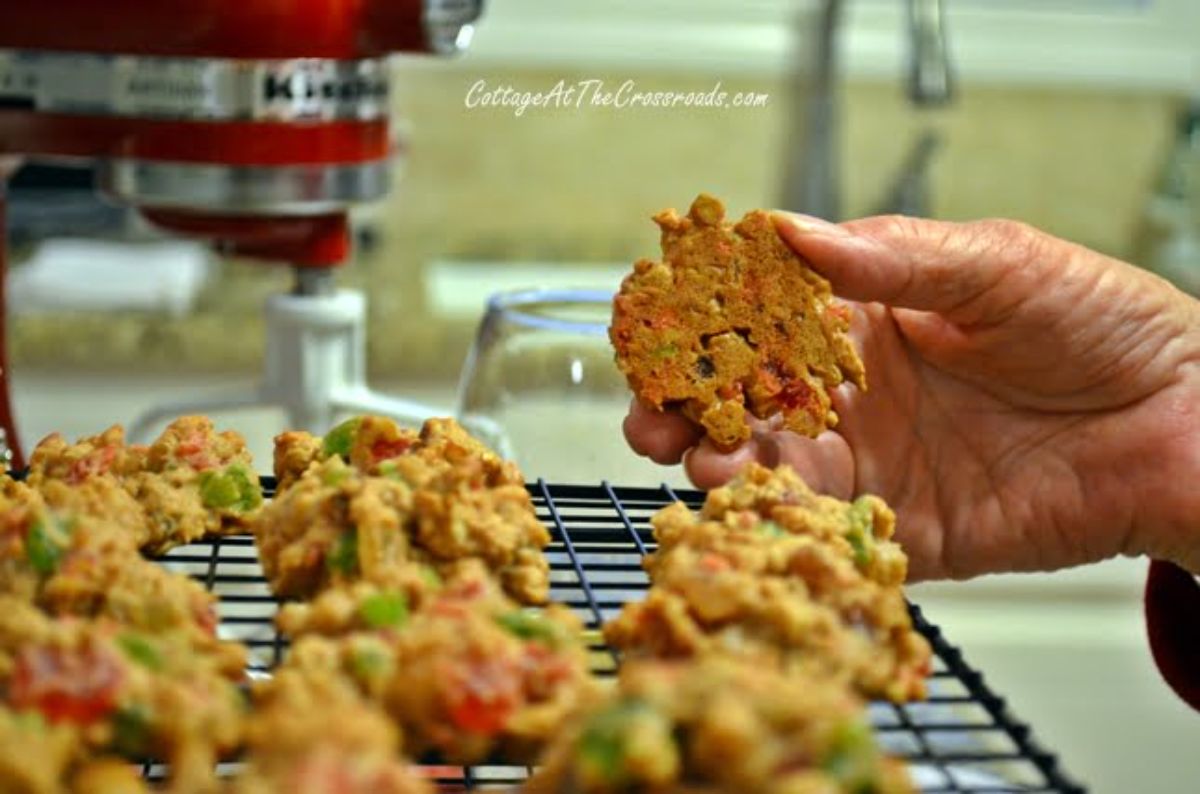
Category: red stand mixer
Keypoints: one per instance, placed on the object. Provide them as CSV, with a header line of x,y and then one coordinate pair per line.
x,y
255,124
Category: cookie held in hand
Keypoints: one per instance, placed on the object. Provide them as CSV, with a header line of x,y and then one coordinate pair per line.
x,y
732,320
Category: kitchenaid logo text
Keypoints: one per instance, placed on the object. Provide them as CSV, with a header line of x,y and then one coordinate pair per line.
x,y
596,93
299,85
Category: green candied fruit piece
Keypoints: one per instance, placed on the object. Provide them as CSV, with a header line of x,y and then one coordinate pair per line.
x,y
384,610
332,478
248,488
132,730
369,663
235,488
139,649
669,350
217,490
30,720
343,557
45,542
603,749
852,757
860,517
340,439
430,576
771,529
529,626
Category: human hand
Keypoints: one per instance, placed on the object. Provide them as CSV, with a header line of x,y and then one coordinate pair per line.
x,y
1032,404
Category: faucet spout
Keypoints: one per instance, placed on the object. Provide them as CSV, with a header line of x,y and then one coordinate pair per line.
x,y
931,78
811,182
812,179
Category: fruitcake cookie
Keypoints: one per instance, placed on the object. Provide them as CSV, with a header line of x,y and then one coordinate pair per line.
x,y
312,732
702,603
190,483
860,530
372,444
437,506
718,726
732,321
125,691
467,675
478,675
74,565
772,571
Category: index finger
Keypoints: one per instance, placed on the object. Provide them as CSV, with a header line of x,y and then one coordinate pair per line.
x,y
920,264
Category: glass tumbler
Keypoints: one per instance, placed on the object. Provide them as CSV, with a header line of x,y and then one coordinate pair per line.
x,y
540,387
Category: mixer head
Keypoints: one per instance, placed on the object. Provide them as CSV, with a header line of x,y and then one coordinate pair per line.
x,y
251,121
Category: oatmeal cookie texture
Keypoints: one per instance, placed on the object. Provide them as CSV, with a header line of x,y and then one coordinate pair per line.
x,y
371,499
73,565
191,482
716,725
107,657
466,673
732,321
312,731
112,690
772,573
415,552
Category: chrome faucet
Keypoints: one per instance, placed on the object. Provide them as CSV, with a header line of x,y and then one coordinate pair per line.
x,y
930,78
811,182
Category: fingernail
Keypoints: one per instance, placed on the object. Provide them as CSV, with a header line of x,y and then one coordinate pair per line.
x,y
807,224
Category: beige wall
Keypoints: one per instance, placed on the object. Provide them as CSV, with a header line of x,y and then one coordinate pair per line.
x,y
1076,162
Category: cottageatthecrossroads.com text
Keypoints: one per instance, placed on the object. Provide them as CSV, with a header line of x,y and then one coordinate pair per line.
x,y
597,93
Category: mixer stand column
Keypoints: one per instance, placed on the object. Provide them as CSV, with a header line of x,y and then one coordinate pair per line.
x,y
315,364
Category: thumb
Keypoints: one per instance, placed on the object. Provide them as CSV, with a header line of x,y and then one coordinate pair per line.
x,y
915,263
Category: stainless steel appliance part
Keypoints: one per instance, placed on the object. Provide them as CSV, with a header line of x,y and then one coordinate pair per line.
x,y
812,181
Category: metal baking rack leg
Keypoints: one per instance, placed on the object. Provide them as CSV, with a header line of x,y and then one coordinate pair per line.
x,y
315,365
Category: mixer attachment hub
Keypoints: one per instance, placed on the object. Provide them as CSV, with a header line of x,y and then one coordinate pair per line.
x,y
315,365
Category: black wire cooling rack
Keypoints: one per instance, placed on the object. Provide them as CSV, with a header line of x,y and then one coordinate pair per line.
x,y
962,739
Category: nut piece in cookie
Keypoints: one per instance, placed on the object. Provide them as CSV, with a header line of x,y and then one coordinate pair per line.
x,y
732,320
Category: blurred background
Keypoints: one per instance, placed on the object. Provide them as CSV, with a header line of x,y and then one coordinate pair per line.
x,y
1077,116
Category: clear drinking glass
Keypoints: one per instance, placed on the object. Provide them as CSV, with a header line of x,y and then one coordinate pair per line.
x,y
540,386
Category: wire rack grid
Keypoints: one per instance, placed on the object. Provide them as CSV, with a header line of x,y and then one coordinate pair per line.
x,y
962,738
